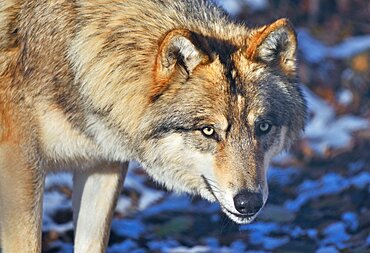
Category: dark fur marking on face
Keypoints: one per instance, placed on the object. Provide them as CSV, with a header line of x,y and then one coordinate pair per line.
x,y
174,124
224,50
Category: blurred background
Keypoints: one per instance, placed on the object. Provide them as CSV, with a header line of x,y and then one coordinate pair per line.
x,y
319,192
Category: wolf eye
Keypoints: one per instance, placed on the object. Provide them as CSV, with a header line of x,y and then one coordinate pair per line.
x,y
263,128
208,131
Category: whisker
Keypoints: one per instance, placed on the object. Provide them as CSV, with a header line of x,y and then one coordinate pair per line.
x,y
211,186
214,184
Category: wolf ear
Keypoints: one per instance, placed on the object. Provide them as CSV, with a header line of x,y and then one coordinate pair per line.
x,y
177,53
275,44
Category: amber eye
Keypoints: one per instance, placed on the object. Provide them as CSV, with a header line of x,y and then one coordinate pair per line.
x,y
208,131
263,128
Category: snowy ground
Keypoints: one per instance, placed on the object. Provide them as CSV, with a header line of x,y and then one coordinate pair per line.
x,y
160,222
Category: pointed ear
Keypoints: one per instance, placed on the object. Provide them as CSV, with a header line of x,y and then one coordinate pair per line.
x,y
177,53
275,44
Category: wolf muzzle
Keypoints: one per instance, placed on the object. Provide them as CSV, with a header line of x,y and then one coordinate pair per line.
x,y
248,203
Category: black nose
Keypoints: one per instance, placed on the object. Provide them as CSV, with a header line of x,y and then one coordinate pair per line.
x,y
247,202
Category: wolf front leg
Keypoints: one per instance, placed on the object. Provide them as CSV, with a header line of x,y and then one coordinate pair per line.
x,y
94,199
21,189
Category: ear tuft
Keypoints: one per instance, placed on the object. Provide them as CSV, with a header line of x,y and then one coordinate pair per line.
x,y
177,54
180,51
275,44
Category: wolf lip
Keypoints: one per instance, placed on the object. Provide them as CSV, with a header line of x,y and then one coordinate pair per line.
x,y
240,216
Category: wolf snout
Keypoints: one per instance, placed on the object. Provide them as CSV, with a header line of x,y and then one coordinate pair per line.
x,y
248,203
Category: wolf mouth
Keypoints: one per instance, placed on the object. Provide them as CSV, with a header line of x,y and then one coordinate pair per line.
x,y
246,217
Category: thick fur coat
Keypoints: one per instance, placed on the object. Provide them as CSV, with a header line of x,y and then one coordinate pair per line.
x,y
202,101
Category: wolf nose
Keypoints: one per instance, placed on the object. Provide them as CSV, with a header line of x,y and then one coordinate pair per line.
x,y
247,202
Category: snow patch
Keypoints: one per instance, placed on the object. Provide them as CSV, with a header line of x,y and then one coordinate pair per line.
x,y
324,130
258,234
335,234
235,7
125,246
329,249
171,204
196,249
345,97
58,179
134,181
54,201
128,228
315,51
351,220
282,177
123,204
331,183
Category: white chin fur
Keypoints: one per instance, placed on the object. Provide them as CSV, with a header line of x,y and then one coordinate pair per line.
x,y
239,220
207,195
225,200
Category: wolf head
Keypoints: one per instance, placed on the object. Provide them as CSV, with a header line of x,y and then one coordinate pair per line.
x,y
219,111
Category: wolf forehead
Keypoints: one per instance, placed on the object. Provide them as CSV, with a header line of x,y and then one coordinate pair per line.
x,y
227,83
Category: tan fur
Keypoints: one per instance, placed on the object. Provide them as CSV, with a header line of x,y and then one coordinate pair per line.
x,y
164,70
260,36
87,86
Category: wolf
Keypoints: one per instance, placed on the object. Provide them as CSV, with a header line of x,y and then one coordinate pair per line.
x,y
201,100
